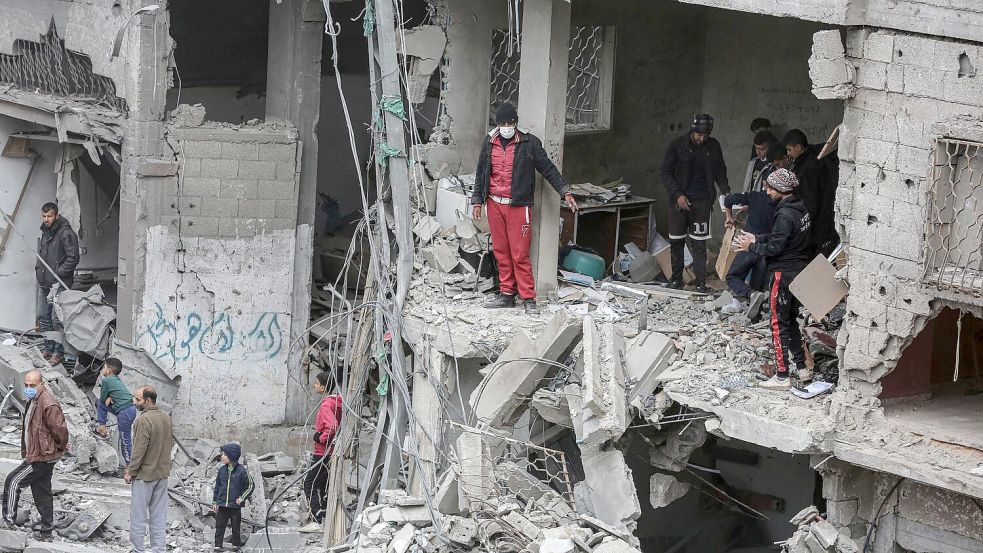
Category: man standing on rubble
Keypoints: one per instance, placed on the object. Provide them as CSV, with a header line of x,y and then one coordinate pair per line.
x,y
691,166
505,181
817,188
59,248
149,468
787,249
43,439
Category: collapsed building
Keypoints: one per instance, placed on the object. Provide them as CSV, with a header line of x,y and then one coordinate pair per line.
x,y
266,188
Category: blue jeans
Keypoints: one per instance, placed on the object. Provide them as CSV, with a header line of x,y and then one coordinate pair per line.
x,y
124,420
49,322
737,277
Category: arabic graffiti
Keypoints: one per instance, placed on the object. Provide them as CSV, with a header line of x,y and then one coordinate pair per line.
x,y
220,338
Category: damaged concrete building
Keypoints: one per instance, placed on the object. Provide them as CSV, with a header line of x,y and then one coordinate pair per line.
x,y
267,188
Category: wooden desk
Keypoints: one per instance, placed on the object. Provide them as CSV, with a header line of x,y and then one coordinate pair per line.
x,y
607,228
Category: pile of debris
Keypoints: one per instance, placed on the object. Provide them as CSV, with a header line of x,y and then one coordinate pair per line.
x,y
817,535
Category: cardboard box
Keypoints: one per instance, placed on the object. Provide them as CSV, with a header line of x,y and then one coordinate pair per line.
x,y
817,288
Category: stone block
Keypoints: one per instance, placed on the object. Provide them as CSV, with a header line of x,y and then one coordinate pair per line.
x,y
827,45
286,171
13,540
200,226
240,150
259,170
270,225
872,74
902,245
876,152
240,189
460,530
59,547
967,91
200,149
278,152
552,406
219,207
914,51
829,73
285,209
895,77
825,533
907,215
284,540
504,390
664,489
611,488
277,190
476,473
260,209
924,81
157,168
879,46
219,168
200,186
189,166
106,458
417,515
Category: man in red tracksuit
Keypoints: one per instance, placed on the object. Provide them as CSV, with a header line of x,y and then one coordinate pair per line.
x,y
505,181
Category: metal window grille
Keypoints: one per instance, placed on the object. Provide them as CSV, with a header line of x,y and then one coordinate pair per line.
x,y
954,231
47,66
584,77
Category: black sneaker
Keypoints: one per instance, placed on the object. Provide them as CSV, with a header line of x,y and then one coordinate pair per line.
x,y
703,289
675,284
530,307
500,301
754,305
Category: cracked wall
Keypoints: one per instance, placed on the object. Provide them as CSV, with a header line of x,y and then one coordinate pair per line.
x,y
220,273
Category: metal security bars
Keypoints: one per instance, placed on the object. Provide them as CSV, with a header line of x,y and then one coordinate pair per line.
x,y
589,76
954,231
48,67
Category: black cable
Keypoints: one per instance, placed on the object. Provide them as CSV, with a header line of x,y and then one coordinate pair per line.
x,y
877,516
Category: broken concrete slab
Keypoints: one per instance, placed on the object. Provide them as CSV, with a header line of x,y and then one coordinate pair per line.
x,y
417,515
106,457
88,521
615,546
60,547
612,490
15,363
13,540
402,540
284,540
673,455
650,354
557,545
441,256
426,227
476,471
205,450
825,533
523,525
505,389
447,498
552,406
604,407
520,482
460,530
664,489
140,368
272,464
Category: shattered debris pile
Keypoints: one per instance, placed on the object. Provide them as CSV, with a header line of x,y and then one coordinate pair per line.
x,y
816,535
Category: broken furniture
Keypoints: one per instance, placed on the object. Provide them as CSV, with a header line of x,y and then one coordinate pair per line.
x,y
607,228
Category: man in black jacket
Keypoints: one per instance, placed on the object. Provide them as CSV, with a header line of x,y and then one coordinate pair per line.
x,y
692,164
788,249
817,188
505,181
59,248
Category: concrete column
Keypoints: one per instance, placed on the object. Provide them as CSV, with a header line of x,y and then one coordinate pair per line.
x,y
542,109
147,52
293,93
427,409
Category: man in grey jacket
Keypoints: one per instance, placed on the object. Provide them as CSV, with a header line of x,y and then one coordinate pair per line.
x,y
59,248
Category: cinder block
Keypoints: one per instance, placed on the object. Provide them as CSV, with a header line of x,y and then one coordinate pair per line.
x,y
914,51
258,170
872,75
278,152
913,161
286,209
855,39
200,186
240,150
967,91
237,227
912,132
219,168
240,189
895,77
924,81
189,166
828,73
286,170
200,149
947,54
181,205
900,322
876,152
277,190
879,46
902,245
199,226
166,186
271,225
220,207
827,45
261,209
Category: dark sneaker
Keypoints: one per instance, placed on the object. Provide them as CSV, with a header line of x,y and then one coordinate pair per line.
x,y
530,307
500,301
754,305
703,289
675,284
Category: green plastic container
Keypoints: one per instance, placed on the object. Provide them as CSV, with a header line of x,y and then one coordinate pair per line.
x,y
585,264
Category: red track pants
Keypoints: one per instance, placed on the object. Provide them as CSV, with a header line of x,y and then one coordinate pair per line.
x,y
511,231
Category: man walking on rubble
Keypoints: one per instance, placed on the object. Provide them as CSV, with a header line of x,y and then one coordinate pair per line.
x,y
691,166
325,427
148,470
505,180
59,248
44,439
787,249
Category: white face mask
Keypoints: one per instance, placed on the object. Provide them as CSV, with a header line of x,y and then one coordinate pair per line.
x,y
506,132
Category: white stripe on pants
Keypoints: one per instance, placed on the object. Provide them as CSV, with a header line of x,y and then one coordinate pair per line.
x,y
148,497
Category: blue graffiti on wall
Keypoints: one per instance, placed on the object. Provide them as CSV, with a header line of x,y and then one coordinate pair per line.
x,y
220,338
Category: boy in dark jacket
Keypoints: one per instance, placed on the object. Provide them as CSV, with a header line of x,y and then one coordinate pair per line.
x,y
788,250
116,399
233,486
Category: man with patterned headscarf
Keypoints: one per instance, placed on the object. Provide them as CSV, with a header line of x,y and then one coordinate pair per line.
x,y
788,250
691,166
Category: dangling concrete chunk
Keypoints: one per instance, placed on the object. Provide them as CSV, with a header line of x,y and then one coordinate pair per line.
x,y
611,489
664,489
